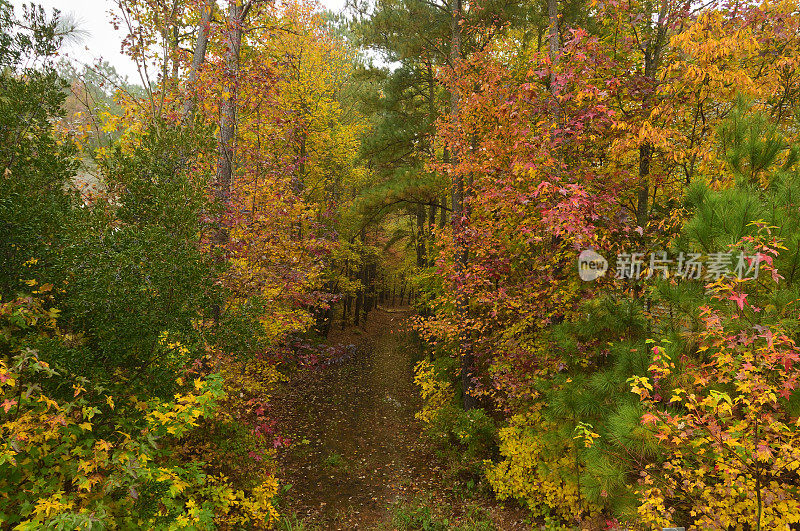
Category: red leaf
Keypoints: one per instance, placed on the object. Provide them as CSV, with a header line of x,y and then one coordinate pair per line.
x,y
739,298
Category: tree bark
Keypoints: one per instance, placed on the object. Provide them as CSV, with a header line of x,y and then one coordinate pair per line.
x,y
431,226
458,220
227,126
198,57
226,151
652,60
645,154
421,258
298,183
357,311
553,38
432,153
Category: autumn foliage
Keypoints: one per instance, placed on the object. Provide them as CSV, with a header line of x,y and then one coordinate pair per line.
x,y
170,245
663,130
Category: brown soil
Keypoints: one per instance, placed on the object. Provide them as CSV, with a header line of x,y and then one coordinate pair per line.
x,y
357,447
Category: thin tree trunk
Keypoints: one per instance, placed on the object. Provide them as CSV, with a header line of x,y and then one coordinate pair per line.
x,y
226,150
421,260
553,38
346,307
345,298
198,57
227,126
367,306
645,154
357,312
432,149
431,226
298,183
652,59
458,218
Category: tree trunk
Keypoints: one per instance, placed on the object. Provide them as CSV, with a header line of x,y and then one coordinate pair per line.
x,y
227,126
298,183
198,57
554,50
432,115
346,307
458,219
226,150
367,306
431,226
553,38
357,312
421,260
652,59
645,153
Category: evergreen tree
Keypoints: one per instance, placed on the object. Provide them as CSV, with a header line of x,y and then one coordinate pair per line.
x,y
36,169
612,337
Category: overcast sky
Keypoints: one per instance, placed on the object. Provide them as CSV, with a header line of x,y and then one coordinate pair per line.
x,y
101,40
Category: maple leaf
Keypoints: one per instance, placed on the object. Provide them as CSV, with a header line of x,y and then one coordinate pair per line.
x,y
739,298
8,404
763,451
649,418
761,257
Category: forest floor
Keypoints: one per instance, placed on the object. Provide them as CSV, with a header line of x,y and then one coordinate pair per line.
x,y
359,458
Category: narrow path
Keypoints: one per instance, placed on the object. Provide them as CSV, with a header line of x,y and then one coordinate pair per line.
x,y
357,445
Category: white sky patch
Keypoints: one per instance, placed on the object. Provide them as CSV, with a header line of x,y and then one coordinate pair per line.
x,y
101,41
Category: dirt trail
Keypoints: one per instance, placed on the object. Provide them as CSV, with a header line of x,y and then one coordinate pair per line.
x,y
357,445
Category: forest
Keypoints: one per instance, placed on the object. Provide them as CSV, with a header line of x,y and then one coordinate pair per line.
x,y
414,264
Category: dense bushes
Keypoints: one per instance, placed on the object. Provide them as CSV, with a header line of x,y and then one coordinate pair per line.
x,y
81,457
133,265
722,401
463,439
709,435
36,200
116,401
